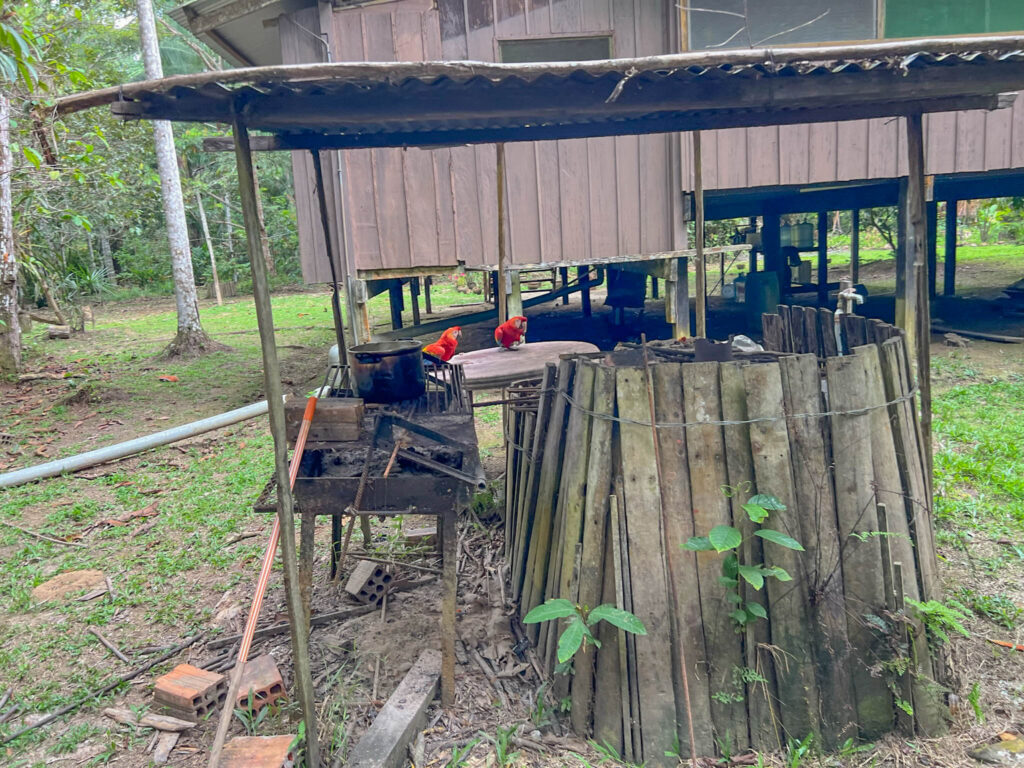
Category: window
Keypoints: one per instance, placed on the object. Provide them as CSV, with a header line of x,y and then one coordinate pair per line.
x,y
783,22
582,48
938,18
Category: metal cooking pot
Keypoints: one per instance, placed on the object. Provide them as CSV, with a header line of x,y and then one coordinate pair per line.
x,y
387,371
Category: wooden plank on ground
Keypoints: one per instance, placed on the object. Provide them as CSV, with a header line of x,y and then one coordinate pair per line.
x,y
688,635
888,487
809,442
855,505
611,692
385,743
705,450
740,466
633,748
788,610
595,514
642,515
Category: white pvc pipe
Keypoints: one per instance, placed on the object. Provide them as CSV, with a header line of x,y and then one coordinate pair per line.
x,y
138,445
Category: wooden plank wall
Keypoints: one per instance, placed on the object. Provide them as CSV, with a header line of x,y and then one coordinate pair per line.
x,y
955,142
567,200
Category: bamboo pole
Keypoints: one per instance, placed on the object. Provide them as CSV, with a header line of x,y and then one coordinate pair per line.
x,y
339,327
272,386
699,265
209,247
502,298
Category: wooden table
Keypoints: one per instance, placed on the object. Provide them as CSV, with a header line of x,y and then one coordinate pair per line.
x,y
498,367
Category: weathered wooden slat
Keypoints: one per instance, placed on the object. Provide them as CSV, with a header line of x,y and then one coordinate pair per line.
x,y
771,332
642,513
851,451
705,449
611,689
537,560
908,458
811,331
740,466
826,332
815,508
595,514
688,635
524,534
788,615
889,491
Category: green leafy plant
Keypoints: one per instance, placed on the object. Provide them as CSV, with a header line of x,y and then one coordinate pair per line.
x,y
460,755
727,539
796,751
503,754
997,608
974,699
940,619
609,754
540,715
581,620
251,720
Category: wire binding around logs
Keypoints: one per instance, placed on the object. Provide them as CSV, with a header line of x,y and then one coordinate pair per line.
x,y
760,420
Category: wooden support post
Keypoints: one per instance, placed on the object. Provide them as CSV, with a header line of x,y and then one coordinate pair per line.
x,y
918,314
563,275
514,300
822,259
770,245
677,299
583,278
855,245
449,545
900,318
654,287
949,270
275,401
500,295
414,297
395,303
427,282
339,328
932,217
698,259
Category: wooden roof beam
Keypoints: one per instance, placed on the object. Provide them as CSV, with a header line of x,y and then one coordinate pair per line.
x,y
199,24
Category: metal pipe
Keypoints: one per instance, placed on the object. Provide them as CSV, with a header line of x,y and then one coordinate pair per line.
x,y
137,445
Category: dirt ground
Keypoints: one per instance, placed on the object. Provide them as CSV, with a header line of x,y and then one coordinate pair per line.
x,y
359,661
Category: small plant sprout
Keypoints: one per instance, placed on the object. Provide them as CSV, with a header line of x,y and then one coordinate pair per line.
x,y
727,539
581,620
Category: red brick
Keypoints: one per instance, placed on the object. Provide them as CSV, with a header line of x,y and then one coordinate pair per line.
x,y
189,693
256,752
262,677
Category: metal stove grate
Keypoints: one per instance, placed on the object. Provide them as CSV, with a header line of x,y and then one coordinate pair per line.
x,y
446,391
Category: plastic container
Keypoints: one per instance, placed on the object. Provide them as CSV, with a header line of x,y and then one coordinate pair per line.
x,y
739,287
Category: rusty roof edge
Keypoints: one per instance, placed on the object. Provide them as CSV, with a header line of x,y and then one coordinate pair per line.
x,y
893,53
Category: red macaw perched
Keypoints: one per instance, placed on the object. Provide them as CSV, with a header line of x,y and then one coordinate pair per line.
x,y
444,348
511,333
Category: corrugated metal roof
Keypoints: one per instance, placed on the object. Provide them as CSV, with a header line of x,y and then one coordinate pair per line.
x,y
374,103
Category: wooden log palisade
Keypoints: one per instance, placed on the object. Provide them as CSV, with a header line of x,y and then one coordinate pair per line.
x,y
836,438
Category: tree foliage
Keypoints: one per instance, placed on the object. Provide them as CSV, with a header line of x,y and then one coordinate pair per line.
x,y
89,181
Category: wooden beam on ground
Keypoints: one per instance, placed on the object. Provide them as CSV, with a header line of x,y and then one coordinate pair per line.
x,y
501,297
275,400
949,270
932,219
855,245
822,259
385,743
698,199
918,317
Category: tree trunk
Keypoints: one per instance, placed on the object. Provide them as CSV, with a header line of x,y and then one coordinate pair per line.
x,y
107,256
191,339
209,247
229,237
268,259
10,330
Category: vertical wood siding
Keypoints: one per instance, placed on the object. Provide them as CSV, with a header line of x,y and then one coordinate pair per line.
x,y
955,142
567,200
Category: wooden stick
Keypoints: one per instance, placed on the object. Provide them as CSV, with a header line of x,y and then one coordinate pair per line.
x,y
42,536
502,298
400,564
489,674
701,330
92,695
109,645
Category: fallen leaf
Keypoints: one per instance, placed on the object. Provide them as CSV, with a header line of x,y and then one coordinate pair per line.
x,y
171,377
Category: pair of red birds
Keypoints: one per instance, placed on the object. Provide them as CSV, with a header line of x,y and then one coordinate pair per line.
x,y
509,334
